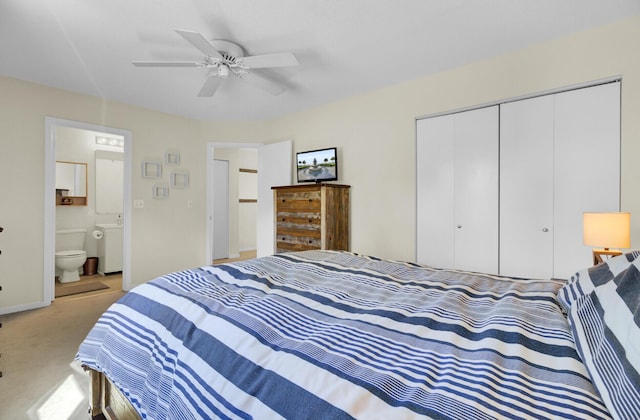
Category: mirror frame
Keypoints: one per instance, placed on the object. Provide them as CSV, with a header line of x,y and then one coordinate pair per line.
x,y
61,200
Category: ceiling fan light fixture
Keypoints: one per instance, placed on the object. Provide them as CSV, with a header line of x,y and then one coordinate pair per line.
x,y
223,71
222,58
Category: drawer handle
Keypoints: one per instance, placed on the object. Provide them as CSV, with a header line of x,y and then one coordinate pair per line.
x,y
310,200
310,220
283,200
283,219
310,241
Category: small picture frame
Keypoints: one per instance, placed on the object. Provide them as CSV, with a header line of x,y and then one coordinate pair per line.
x,y
180,179
151,169
172,157
161,191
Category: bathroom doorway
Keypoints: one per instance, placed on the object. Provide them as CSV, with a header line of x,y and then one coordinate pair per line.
x,y
92,139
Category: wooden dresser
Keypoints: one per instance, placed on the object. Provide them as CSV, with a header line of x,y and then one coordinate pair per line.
x,y
311,216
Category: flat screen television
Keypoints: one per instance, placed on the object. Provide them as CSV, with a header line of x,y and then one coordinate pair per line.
x,y
317,165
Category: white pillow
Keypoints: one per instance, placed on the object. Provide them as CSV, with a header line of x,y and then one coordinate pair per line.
x,y
585,281
606,328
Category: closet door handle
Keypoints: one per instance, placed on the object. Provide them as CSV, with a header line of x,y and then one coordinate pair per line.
x,y
459,226
545,229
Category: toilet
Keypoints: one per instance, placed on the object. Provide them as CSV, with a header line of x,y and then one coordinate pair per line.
x,y
70,253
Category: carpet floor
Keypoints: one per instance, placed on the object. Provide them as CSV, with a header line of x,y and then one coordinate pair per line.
x,y
40,379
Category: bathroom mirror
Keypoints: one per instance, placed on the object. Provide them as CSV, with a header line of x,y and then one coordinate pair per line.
x,y
109,181
71,179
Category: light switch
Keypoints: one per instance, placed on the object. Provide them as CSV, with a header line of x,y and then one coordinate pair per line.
x,y
189,204
138,204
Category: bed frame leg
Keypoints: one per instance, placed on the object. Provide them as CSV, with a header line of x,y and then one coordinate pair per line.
x,y
95,406
106,401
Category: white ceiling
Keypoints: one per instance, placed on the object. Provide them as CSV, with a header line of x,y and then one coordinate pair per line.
x,y
345,47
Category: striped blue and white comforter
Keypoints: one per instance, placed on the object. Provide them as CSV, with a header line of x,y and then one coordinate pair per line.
x,y
323,334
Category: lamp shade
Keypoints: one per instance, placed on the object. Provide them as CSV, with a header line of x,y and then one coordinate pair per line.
x,y
607,230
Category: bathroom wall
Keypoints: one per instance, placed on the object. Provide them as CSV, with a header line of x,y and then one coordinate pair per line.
x,y
74,145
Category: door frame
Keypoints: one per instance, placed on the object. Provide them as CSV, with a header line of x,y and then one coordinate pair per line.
x,y
49,200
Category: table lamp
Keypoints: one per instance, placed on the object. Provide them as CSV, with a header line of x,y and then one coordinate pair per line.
x,y
606,230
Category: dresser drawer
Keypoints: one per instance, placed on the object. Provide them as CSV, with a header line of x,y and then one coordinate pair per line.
x,y
303,201
307,221
285,243
311,231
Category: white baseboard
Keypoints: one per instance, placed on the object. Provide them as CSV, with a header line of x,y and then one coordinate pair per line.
x,y
22,308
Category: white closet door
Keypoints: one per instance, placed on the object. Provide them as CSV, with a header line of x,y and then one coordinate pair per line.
x,y
476,190
587,168
434,191
526,188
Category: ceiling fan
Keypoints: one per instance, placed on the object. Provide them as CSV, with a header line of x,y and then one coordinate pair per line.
x,y
224,58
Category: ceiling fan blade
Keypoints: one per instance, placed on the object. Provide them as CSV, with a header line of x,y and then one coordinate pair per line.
x,y
270,60
198,41
210,86
166,64
261,82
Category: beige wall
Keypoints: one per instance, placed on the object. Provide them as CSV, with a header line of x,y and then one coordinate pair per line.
x,y
375,134
166,234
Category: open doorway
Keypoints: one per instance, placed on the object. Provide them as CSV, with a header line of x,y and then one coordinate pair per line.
x,y
234,206
274,167
54,127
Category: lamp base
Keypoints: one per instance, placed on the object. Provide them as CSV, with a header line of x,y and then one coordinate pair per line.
x,y
598,253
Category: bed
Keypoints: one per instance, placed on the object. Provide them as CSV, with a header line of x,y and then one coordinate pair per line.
x,y
331,334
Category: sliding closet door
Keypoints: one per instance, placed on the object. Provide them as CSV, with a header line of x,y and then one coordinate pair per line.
x,y
587,168
475,188
434,191
457,190
526,188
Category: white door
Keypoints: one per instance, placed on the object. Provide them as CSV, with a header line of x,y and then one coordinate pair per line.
x,y
220,209
475,186
434,172
274,169
560,157
526,188
587,168
457,190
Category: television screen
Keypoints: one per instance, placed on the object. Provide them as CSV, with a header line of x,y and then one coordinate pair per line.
x,y
317,165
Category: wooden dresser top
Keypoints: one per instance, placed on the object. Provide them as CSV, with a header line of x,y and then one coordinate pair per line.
x,y
310,186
